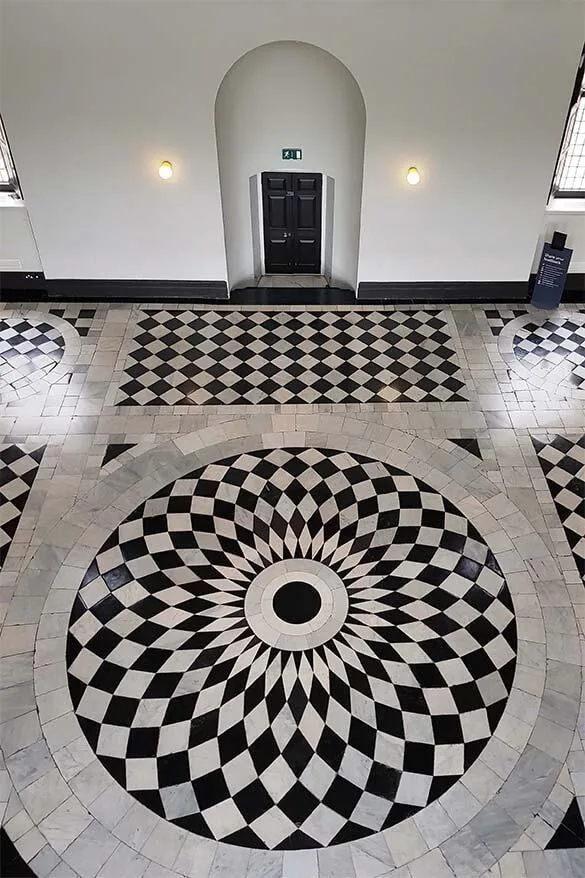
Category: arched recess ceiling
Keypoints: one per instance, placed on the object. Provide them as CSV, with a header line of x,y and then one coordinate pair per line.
x,y
290,94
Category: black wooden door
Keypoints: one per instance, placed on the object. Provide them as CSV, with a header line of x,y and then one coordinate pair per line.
x,y
292,223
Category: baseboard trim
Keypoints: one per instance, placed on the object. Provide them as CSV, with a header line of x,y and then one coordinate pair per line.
x,y
18,286
13,284
379,292
443,292
138,290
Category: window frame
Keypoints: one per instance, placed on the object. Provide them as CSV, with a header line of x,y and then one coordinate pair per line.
x,y
12,187
577,100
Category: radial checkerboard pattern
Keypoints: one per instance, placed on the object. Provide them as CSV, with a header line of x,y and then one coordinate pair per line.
x,y
228,711
223,358
555,347
18,470
28,352
563,463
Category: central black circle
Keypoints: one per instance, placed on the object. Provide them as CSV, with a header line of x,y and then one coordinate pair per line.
x,y
296,602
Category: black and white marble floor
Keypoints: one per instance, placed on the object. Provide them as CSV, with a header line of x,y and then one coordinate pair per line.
x,y
293,593
219,357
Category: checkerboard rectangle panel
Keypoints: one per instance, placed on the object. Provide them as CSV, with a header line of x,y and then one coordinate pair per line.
x,y
223,358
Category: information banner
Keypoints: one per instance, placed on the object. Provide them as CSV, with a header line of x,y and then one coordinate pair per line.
x,y
551,277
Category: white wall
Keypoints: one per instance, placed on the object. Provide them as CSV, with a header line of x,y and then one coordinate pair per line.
x,y
573,224
18,250
474,92
290,94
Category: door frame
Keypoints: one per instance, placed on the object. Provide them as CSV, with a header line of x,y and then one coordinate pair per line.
x,y
258,211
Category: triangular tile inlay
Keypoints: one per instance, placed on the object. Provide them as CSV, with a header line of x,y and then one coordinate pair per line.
x,y
115,449
18,470
571,832
470,445
562,460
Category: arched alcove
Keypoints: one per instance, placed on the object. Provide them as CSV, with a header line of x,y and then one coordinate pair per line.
x,y
280,95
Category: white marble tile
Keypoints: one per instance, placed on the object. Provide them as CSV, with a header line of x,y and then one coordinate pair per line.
x,y
124,862
65,823
431,864
62,870
371,857
44,862
135,826
300,864
405,842
434,824
163,844
44,795
19,732
196,856
29,844
90,850
18,824
111,805
90,782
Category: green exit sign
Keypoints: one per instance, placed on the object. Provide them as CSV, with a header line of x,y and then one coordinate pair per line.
x,y
294,155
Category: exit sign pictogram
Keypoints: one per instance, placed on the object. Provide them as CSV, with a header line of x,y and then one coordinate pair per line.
x,y
290,154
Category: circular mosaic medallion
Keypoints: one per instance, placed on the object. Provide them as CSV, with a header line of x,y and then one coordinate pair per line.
x,y
28,352
553,350
291,648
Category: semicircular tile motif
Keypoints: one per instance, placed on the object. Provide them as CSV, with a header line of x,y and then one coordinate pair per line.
x,y
29,351
553,349
291,648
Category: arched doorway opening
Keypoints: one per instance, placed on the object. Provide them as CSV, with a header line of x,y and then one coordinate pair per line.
x,y
291,95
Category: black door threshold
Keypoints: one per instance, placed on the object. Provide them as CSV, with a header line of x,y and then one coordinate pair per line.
x,y
292,296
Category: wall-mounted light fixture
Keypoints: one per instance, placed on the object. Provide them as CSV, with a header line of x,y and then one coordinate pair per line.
x,y
413,176
165,170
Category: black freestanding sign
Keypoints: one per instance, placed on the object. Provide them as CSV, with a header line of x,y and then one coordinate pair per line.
x,y
551,276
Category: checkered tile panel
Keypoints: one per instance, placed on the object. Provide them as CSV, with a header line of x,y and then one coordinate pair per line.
x,y
207,357
498,318
79,318
18,470
563,463
240,741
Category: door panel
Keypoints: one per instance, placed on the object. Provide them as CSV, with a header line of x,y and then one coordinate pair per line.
x,y
278,211
304,255
307,212
278,222
292,223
